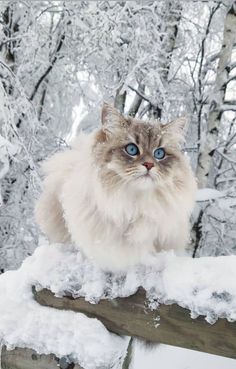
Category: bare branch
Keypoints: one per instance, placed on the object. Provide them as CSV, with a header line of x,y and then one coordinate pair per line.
x,y
141,94
226,157
137,101
48,70
227,107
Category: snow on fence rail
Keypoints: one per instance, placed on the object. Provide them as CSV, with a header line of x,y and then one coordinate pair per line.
x,y
168,324
174,300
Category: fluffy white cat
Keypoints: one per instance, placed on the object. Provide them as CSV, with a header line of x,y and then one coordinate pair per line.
x,y
121,192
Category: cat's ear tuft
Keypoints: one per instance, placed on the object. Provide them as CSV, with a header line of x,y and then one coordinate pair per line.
x,y
112,119
177,127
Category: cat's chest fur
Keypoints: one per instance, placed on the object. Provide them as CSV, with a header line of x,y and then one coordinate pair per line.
x,y
121,227
145,220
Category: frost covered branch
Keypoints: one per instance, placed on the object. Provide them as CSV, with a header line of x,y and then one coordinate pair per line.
x,y
214,119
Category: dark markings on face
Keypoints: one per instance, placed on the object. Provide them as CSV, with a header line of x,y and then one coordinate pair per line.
x,y
167,163
146,137
110,148
137,139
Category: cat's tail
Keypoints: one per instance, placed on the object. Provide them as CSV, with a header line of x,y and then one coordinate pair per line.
x,y
49,212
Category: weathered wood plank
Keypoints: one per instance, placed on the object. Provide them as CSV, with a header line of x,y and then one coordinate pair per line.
x,y
170,324
24,358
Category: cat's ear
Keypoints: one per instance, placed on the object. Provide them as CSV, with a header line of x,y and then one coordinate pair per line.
x,y
111,119
177,128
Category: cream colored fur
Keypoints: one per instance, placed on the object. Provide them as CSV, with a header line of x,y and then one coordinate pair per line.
x,y
115,226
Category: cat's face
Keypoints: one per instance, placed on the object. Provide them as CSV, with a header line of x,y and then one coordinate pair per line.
x,y
139,154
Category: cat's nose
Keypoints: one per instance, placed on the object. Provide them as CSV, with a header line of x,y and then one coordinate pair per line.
x,y
148,165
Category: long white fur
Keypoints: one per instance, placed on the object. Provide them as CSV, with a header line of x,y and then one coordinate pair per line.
x,y
115,229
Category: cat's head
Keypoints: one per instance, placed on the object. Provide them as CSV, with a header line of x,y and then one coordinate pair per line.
x,y
143,155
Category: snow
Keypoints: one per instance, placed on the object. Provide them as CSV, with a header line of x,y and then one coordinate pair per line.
x,y
24,323
205,286
170,357
206,194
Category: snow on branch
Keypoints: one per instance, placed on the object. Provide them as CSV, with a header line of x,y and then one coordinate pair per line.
x,y
218,105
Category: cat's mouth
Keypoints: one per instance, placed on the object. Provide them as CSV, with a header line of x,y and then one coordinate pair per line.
x,y
145,181
147,175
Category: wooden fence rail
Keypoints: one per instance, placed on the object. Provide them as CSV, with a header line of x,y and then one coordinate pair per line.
x,y
24,358
169,324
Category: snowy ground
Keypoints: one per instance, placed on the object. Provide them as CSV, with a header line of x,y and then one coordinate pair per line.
x,y
193,283
168,357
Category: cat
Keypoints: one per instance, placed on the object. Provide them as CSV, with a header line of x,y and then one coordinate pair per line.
x,y
123,192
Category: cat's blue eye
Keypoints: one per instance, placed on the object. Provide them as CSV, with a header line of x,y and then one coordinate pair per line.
x,y
132,149
159,153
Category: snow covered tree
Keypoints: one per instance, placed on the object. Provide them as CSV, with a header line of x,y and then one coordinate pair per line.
x,y
33,119
60,60
218,104
216,157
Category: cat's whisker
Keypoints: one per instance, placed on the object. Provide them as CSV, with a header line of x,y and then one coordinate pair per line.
x,y
112,180
130,173
130,170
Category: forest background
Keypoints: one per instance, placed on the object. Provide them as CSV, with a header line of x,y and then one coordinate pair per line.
x,y
59,60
